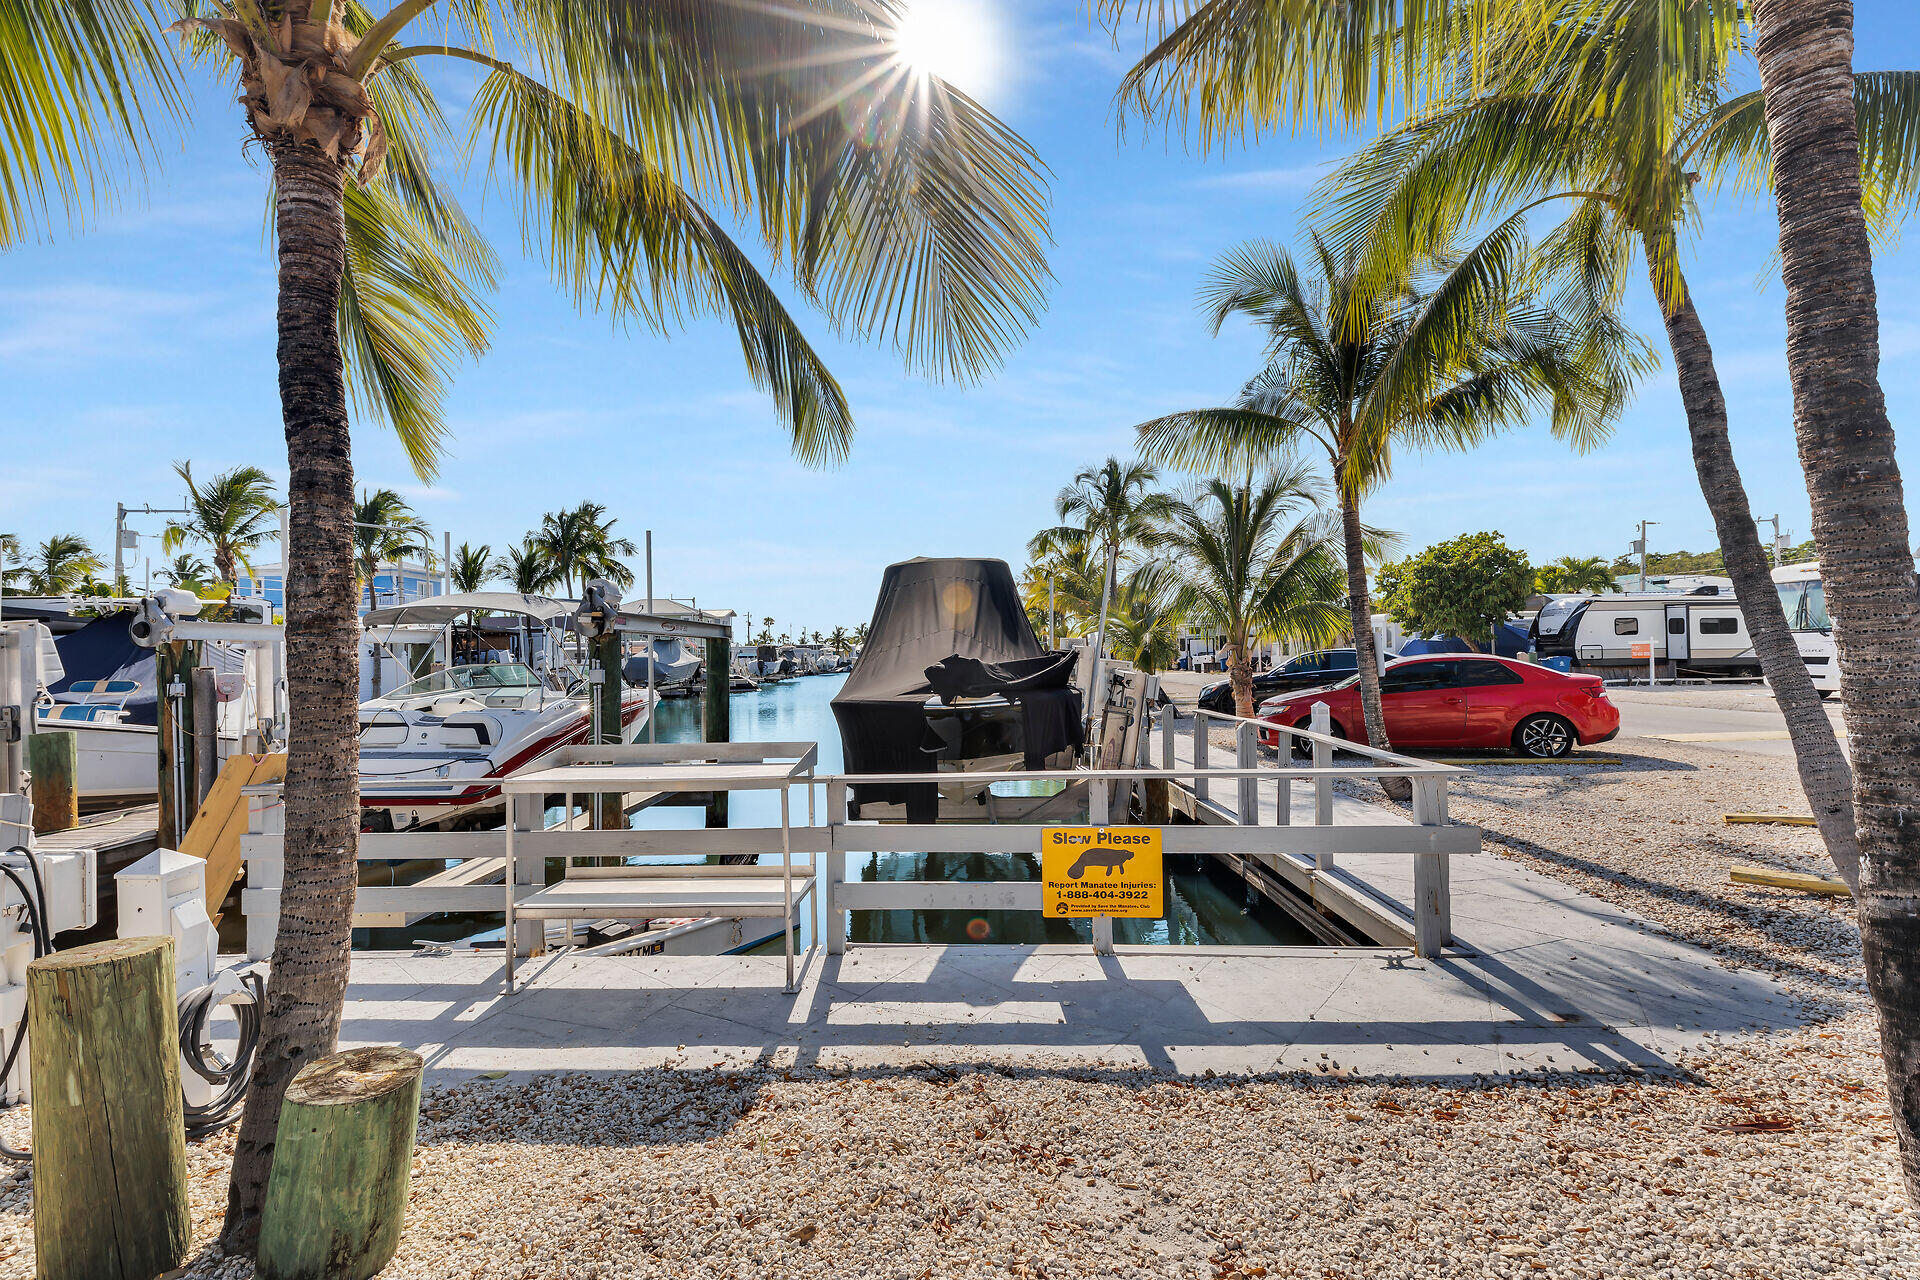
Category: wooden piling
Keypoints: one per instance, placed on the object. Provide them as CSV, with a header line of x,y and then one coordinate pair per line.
x,y
716,717
342,1160
203,690
109,1143
174,661
53,757
606,651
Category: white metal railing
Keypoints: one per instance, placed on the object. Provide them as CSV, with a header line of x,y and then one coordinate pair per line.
x,y
1306,855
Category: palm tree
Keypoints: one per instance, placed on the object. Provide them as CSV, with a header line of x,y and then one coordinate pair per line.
x,y
1112,509
471,566
385,530
1364,360
232,515
1252,570
1503,144
1067,578
1859,509
838,638
1574,574
900,207
526,567
1148,611
63,565
10,554
188,572
579,542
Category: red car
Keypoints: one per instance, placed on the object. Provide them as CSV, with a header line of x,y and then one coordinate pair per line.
x,y
1465,701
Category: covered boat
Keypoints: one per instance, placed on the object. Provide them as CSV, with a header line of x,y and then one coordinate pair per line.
x,y
952,678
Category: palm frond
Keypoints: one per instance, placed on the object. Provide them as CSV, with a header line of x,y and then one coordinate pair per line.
x,y
81,87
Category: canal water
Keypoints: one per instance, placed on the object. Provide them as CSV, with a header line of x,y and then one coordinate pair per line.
x,y
1205,906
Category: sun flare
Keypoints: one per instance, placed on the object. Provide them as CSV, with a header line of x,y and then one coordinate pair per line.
x,y
951,39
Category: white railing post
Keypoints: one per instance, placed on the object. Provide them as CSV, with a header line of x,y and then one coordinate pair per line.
x,y
1167,718
1322,723
265,849
1432,886
529,813
1200,754
1099,797
1246,755
833,925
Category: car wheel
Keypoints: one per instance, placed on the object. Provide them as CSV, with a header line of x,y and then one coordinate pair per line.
x,y
1543,737
1302,749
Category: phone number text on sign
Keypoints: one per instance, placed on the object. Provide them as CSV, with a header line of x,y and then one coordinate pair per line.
x,y
1102,871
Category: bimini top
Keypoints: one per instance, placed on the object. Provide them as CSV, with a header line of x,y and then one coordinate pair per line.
x,y
437,611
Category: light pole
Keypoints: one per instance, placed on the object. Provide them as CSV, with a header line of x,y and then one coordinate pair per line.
x,y
1775,522
121,533
1641,547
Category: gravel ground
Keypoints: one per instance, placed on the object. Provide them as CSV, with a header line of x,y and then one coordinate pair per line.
x,y
1768,1157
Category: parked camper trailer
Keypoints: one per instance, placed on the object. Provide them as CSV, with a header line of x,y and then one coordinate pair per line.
x,y
1693,635
1805,602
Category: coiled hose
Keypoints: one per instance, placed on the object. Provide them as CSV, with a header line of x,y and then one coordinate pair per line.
x,y
194,1009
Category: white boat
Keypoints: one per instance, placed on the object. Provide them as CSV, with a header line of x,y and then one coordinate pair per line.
x,y
672,660
430,749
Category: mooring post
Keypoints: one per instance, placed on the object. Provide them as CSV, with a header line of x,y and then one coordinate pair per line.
x,y
1246,755
1322,724
1432,888
109,1140
717,717
1099,811
204,691
172,663
53,757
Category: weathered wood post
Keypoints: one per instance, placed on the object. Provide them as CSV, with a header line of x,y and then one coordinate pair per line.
x,y
716,715
203,691
1321,722
109,1142
606,654
53,757
173,662
1246,755
342,1159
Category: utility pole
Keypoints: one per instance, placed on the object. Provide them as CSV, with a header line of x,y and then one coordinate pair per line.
x,y
1775,522
121,533
1641,547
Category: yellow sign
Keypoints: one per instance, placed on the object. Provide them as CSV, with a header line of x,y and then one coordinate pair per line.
x,y
1102,871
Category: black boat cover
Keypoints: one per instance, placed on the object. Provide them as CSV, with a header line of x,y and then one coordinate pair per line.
x,y
956,628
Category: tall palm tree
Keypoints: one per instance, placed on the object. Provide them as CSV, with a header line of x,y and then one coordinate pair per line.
x,y
1258,563
471,566
188,572
1067,578
579,542
1113,509
10,566
385,531
1573,574
232,514
1503,145
63,565
1370,355
1859,509
526,567
1148,611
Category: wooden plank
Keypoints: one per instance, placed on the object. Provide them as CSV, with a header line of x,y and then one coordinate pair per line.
x,y
1745,874
936,895
1770,819
222,820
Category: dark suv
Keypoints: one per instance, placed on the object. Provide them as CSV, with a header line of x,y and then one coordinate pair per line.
x,y
1306,671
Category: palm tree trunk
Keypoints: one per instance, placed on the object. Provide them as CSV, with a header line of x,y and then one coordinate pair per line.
x,y
1360,612
1805,51
309,975
1824,773
1240,676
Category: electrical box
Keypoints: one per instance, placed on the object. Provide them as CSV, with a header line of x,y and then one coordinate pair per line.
x,y
165,893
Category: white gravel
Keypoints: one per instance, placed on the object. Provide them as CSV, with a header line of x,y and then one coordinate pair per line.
x,y
1770,1157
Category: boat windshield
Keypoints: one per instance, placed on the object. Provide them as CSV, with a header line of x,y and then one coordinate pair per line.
x,y
1805,604
488,675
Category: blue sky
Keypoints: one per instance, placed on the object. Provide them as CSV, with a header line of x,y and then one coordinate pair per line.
x,y
150,338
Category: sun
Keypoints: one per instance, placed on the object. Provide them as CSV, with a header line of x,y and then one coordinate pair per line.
x,y
951,39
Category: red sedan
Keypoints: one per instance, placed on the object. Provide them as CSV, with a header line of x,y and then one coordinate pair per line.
x,y
1465,701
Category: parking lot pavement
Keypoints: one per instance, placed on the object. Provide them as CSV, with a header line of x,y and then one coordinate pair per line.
x,y
1725,718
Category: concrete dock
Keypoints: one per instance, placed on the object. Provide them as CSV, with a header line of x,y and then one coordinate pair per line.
x,y
1545,979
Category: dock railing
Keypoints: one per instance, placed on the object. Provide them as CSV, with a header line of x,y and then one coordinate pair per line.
x,y
1308,856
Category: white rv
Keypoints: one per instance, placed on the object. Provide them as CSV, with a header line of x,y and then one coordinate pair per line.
x,y
1697,635
1805,602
